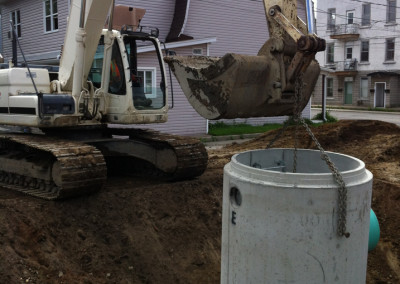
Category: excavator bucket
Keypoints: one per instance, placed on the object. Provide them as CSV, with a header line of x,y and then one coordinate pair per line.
x,y
239,86
278,81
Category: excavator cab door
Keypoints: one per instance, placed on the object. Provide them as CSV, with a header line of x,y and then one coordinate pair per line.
x,y
134,87
147,76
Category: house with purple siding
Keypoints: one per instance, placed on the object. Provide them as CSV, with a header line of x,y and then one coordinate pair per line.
x,y
188,27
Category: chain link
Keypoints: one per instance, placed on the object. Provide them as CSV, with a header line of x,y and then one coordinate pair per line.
x,y
278,135
342,190
342,198
296,116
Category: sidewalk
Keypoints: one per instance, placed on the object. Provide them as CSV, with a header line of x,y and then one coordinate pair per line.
x,y
216,142
210,138
357,109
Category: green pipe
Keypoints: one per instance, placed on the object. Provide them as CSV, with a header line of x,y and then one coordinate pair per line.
x,y
374,231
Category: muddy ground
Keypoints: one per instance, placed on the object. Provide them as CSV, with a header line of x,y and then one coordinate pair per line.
x,y
139,230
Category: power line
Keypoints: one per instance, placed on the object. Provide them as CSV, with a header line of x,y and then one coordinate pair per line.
x,y
317,11
373,22
372,3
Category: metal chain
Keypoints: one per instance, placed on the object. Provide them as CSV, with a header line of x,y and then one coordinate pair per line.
x,y
296,116
342,190
278,135
342,198
295,134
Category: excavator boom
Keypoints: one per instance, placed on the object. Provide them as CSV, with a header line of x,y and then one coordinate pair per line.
x,y
92,23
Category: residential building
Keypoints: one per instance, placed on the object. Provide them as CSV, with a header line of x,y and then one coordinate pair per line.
x,y
361,63
188,27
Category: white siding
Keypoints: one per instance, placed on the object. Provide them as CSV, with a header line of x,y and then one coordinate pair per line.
x,y
182,119
376,34
33,39
37,44
159,13
240,27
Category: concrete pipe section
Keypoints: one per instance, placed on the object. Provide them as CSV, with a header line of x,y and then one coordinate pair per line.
x,y
281,227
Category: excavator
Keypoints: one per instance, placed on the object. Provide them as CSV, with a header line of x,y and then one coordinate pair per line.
x,y
75,113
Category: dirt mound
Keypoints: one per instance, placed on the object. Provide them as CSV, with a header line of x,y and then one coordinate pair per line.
x,y
139,230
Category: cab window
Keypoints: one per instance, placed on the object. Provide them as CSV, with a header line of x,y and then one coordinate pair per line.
x,y
117,76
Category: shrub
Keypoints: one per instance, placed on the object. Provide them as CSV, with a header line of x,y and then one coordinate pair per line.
x,y
328,116
290,121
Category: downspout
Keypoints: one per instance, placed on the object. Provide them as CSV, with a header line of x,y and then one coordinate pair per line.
x,y
208,54
186,17
14,47
80,53
323,98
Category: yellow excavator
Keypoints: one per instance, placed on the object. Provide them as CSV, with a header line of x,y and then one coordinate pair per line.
x,y
99,83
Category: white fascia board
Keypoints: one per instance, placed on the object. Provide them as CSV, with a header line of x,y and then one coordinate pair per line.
x,y
326,69
51,55
177,44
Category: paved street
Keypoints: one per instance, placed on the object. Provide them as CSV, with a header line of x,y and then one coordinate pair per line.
x,y
392,117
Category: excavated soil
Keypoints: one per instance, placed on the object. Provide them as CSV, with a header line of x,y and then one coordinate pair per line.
x,y
139,230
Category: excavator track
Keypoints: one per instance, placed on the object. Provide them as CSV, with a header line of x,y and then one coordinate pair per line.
x,y
190,156
50,168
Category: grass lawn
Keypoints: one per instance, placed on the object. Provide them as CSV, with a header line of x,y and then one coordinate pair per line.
x,y
221,129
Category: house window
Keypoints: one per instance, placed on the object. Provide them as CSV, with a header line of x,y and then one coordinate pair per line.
x,y
148,77
364,51
389,49
197,51
391,11
349,52
15,17
50,15
331,18
330,53
366,14
364,89
329,87
350,17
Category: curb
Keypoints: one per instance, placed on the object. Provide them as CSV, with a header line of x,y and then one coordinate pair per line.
x,y
355,110
210,138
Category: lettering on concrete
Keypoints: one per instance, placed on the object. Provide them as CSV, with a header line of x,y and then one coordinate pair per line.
x,y
233,217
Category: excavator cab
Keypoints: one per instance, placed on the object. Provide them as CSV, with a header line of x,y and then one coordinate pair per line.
x,y
148,90
136,89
